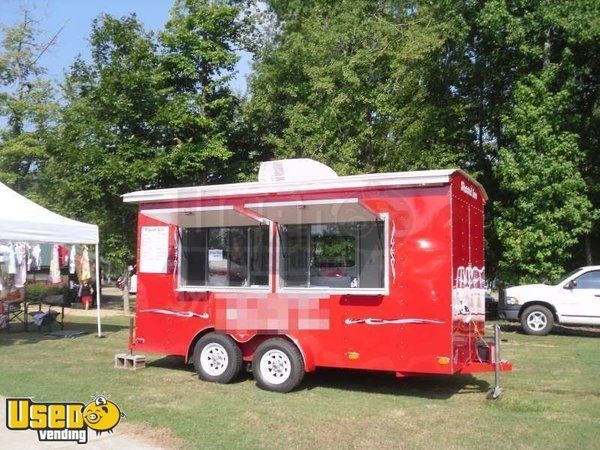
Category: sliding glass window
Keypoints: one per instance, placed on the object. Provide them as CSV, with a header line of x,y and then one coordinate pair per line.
x,y
336,255
230,256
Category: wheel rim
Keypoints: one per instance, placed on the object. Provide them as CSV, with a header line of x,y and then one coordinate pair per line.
x,y
537,321
214,359
275,367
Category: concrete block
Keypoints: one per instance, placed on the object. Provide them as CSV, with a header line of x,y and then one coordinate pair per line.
x,y
128,361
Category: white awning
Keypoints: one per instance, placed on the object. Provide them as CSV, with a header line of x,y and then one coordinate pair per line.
x,y
23,220
203,217
314,211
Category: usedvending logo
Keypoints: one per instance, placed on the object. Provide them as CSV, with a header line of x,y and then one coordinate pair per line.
x,y
55,422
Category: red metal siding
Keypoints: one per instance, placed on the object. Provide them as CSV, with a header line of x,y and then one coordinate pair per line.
x,y
468,269
422,264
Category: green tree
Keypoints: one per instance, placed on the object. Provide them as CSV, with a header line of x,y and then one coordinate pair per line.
x,y
27,104
512,42
346,83
145,113
575,42
108,141
399,85
196,65
549,210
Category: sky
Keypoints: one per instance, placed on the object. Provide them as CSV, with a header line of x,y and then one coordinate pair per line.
x,y
77,16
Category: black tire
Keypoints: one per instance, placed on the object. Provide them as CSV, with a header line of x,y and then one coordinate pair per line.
x,y
292,369
545,323
218,343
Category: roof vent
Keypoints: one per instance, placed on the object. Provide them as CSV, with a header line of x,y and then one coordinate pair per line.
x,y
301,169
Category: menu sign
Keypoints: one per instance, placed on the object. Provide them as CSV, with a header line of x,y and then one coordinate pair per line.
x,y
154,249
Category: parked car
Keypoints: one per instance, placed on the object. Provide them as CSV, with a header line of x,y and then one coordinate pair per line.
x,y
573,300
491,307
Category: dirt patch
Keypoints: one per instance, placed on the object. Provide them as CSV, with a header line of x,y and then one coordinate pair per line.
x,y
398,413
151,435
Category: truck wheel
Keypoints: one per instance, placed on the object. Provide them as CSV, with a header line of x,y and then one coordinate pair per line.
x,y
278,365
217,358
537,320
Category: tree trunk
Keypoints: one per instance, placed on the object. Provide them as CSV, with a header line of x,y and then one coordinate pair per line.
x,y
126,300
548,47
588,251
126,294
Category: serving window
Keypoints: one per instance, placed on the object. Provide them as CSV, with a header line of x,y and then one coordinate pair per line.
x,y
349,255
225,257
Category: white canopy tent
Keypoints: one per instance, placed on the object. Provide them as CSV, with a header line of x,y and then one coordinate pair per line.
x,y
24,220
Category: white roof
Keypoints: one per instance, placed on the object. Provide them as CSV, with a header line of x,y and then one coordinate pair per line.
x,y
23,220
393,179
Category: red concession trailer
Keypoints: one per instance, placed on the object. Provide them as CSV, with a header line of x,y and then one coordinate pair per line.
x,y
307,269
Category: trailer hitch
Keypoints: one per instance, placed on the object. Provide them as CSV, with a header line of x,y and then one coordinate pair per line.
x,y
495,392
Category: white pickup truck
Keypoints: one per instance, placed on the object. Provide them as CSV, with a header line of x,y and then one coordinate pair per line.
x,y
574,300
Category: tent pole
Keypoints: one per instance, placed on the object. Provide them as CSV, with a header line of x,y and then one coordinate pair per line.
x,y
98,289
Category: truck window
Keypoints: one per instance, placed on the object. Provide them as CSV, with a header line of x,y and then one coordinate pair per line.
x,y
336,255
227,256
589,280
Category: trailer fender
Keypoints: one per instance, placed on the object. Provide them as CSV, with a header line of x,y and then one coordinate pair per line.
x,y
307,356
195,339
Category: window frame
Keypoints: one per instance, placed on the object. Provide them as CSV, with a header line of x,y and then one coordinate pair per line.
x,y
385,290
583,274
181,287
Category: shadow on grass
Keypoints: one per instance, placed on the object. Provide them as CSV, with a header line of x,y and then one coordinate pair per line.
x,y
20,336
438,387
115,301
560,330
173,362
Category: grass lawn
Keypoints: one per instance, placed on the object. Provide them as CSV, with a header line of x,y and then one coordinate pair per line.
x,y
551,400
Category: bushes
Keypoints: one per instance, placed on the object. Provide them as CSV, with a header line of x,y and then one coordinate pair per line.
x,y
34,292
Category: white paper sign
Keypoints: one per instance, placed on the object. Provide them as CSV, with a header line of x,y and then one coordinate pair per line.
x,y
215,254
154,251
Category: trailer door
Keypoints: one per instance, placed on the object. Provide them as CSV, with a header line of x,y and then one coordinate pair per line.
x,y
468,284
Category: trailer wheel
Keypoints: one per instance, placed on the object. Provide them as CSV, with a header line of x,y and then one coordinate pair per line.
x,y
278,365
537,320
217,358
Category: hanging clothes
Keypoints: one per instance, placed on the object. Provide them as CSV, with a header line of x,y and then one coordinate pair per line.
x,y
36,257
85,265
21,253
4,252
72,256
12,260
54,276
63,255
4,255
19,256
